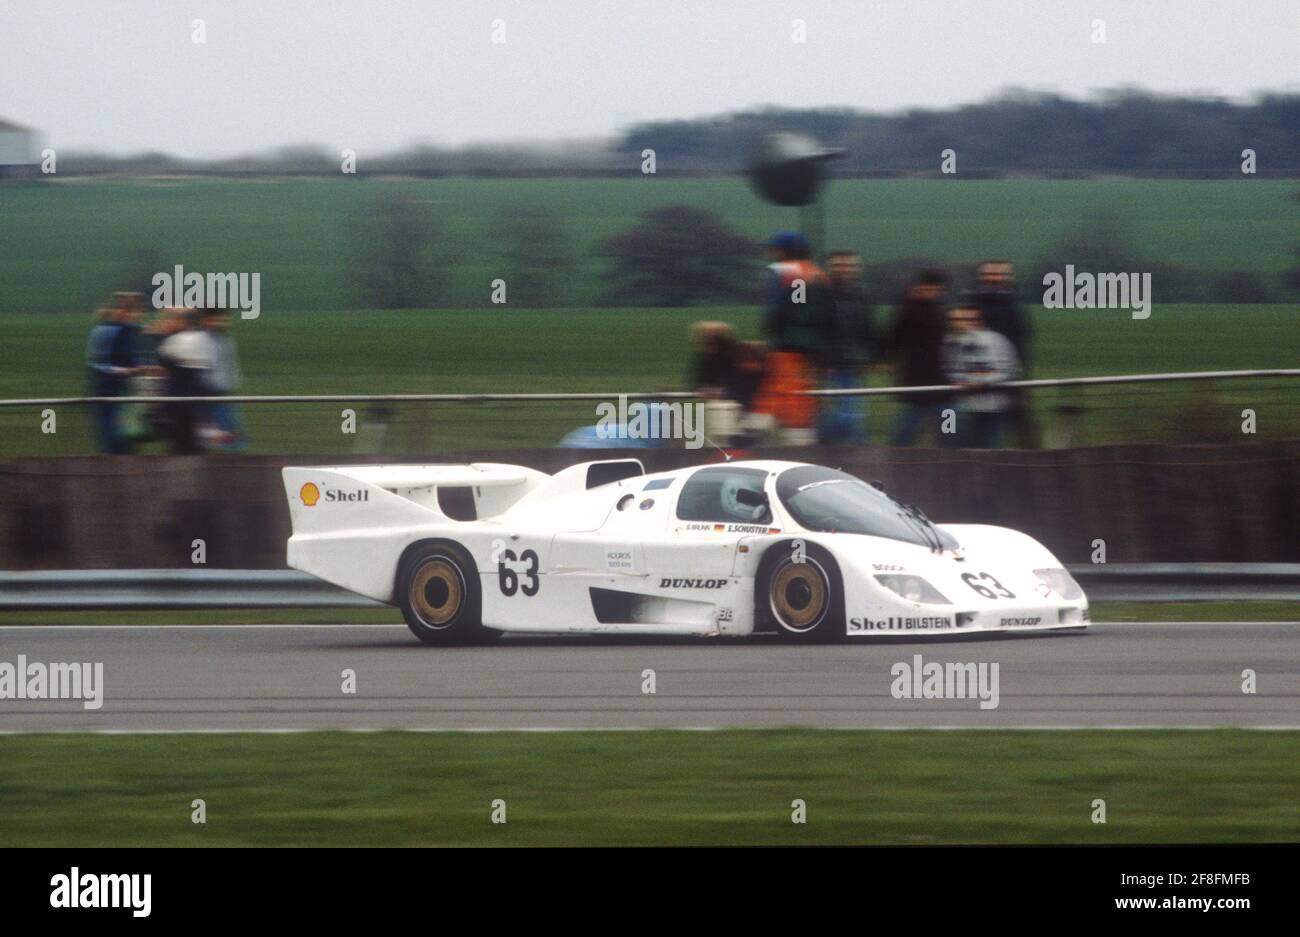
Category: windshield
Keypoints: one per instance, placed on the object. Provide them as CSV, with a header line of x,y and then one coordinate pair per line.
x,y
826,500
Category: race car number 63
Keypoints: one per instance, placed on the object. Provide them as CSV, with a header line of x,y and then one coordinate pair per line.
x,y
988,593
508,579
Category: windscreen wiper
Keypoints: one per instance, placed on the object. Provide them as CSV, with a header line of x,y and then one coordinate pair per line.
x,y
931,525
929,532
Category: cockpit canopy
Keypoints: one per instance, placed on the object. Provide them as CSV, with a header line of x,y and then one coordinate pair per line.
x,y
725,493
831,501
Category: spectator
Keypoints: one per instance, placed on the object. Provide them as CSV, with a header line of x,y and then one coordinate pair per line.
x,y
223,380
845,349
752,363
996,297
153,383
113,354
914,341
727,374
186,354
710,362
978,358
722,366
794,323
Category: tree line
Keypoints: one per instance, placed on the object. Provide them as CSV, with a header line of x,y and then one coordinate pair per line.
x,y
683,255
1122,131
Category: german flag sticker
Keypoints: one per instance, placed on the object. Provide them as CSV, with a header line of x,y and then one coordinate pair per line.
x,y
719,528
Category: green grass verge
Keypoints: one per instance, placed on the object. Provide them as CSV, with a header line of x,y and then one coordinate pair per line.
x,y
1195,611
65,244
640,350
1101,612
648,788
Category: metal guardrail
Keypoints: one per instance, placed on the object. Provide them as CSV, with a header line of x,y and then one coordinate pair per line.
x,y
275,588
653,395
172,588
1189,582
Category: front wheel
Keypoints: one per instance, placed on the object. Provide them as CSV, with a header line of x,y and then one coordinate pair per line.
x,y
438,591
800,594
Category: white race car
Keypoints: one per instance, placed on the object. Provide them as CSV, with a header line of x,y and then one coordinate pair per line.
x,y
810,553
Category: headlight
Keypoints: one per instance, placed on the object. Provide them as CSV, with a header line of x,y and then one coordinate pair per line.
x,y
914,589
1061,582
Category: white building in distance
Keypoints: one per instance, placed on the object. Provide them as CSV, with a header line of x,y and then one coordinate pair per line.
x,y
19,151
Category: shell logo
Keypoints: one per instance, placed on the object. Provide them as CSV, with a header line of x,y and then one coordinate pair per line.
x,y
310,494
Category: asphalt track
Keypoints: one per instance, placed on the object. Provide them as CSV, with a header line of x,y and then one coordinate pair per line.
x,y
276,677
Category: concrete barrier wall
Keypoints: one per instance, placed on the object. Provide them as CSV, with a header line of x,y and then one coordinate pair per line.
x,y
1175,504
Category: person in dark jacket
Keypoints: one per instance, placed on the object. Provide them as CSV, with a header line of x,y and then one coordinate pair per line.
x,y
723,367
915,341
999,310
996,298
845,351
726,373
114,353
793,324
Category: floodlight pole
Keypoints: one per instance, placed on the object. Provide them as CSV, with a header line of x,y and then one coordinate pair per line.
x,y
812,224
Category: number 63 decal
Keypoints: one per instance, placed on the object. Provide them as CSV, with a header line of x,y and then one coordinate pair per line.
x,y
997,590
508,579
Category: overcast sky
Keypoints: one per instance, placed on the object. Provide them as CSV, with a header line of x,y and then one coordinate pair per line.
x,y
376,75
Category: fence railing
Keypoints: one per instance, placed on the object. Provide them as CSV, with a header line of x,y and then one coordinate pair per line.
x,y
275,588
893,391
1198,406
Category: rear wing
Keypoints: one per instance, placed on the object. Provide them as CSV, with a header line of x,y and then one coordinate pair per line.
x,y
327,498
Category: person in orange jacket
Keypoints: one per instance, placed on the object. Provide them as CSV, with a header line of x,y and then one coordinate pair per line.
x,y
794,323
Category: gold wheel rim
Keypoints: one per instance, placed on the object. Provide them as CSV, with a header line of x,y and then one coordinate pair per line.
x,y
799,595
437,592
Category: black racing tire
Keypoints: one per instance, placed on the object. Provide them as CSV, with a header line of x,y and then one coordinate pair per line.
x,y
440,596
800,601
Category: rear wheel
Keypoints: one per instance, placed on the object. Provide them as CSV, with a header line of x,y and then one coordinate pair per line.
x,y
800,594
438,590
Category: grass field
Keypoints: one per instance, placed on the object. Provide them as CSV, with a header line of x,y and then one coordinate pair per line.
x,y
650,788
470,351
65,244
